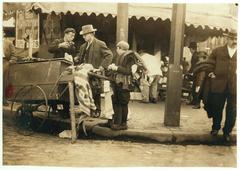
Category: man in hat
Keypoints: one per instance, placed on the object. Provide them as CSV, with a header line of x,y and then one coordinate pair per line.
x,y
223,85
122,69
193,49
65,46
95,52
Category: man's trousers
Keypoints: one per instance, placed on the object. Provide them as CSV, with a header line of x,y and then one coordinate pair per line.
x,y
120,100
218,100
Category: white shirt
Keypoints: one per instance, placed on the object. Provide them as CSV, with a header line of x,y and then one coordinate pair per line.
x,y
89,43
231,51
153,64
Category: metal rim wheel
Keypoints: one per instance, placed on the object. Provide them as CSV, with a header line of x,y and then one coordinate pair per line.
x,y
30,112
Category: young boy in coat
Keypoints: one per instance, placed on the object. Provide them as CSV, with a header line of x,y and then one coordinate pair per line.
x,y
122,69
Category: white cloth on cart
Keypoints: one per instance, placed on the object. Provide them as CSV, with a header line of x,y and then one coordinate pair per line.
x,y
82,88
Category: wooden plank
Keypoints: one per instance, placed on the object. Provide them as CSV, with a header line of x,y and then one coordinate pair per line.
x,y
72,111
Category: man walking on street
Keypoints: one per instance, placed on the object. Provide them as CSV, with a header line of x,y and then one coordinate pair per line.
x,y
94,52
223,85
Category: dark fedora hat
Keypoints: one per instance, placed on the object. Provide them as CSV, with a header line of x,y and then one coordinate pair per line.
x,y
87,29
192,45
231,34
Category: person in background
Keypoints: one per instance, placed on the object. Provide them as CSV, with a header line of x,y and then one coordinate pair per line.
x,y
95,52
122,69
193,49
223,85
199,78
8,57
151,77
65,47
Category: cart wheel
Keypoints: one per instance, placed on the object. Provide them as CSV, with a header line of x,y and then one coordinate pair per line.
x,y
23,121
31,106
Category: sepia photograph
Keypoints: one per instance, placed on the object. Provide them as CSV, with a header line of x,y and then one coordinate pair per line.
x,y
116,84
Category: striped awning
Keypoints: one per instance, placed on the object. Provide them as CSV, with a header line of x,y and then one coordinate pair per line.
x,y
219,16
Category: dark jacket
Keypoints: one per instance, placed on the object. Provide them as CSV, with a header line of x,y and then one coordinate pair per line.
x,y
201,70
99,54
60,52
123,75
225,70
194,60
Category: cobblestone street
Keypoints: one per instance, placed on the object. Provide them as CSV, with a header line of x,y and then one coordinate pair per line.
x,y
43,149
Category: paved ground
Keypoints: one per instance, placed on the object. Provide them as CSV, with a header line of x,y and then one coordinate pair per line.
x,y
48,150
151,116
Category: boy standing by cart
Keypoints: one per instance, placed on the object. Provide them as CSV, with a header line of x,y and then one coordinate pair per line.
x,y
122,69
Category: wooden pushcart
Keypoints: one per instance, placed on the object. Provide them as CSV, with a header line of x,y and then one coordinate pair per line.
x,y
36,89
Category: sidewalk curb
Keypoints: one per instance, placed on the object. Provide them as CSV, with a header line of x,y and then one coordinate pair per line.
x,y
162,136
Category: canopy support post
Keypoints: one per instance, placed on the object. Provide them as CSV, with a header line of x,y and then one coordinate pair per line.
x,y
122,22
174,82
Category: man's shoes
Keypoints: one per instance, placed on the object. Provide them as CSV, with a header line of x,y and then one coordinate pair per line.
x,y
119,127
153,100
196,106
116,127
214,132
226,137
124,126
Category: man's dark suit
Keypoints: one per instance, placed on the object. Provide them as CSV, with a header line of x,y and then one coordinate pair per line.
x,y
98,54
60,52
223,87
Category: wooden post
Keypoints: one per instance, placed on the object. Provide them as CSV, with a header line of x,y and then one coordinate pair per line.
x,y
174,83
72,111
122,22
30,43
